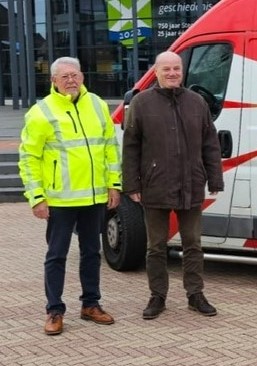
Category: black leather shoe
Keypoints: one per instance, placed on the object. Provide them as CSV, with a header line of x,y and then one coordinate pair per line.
x,y
198,302
155,307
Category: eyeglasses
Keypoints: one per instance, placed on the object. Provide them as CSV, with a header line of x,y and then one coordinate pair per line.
x,y
66,77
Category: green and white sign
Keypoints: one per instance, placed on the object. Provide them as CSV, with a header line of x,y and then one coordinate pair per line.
x,y
120,21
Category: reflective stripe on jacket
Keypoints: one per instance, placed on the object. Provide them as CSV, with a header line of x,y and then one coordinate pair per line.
x,y
69,153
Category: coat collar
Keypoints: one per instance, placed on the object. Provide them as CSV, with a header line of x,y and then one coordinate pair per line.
x,y
170,93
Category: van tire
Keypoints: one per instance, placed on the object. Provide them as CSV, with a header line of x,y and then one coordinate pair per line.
x,y
124,236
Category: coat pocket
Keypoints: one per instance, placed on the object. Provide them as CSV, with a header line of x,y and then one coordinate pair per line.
x,y
149,173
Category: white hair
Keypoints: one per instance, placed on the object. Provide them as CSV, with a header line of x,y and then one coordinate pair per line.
x,y
64,60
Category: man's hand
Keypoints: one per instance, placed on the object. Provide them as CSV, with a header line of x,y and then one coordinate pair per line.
x,y
136,197
113,198
41,210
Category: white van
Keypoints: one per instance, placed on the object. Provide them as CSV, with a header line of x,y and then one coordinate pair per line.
x,y
219,53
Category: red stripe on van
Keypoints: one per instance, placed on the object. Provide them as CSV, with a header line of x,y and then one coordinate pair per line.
x,y
250,243
230,104
173,217
234,162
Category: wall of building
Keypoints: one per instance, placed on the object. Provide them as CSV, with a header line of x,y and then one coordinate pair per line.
x,y
100,33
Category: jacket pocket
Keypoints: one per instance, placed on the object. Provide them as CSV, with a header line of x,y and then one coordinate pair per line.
x,y
199,175
150,172
54,173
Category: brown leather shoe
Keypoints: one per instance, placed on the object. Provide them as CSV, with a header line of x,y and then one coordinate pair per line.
x,y
54,324
96,314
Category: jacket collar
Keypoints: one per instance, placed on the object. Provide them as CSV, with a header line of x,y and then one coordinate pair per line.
x,y
170,93
67,98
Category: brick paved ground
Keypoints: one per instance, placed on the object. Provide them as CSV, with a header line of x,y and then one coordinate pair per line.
x,y
178,337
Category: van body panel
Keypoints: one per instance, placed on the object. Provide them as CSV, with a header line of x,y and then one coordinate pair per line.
x,y
224,17
223,44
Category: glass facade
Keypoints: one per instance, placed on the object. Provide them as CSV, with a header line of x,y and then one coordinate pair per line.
x,y
115,40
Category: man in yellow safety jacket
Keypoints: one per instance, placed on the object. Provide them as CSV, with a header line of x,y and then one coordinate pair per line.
x,y
70,167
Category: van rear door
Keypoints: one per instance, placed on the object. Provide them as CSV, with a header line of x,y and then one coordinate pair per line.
x,y
248,146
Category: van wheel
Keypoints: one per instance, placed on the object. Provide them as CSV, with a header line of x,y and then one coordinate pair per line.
x,y
124,236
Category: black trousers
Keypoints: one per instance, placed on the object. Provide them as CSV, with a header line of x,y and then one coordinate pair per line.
x,y
157,227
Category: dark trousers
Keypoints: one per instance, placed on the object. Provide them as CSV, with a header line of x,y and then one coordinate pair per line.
x,y
157,226
58,236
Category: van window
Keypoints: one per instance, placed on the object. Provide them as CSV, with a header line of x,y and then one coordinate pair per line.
x,y
208,71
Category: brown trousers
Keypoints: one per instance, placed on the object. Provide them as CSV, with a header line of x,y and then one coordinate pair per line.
x,y
157,227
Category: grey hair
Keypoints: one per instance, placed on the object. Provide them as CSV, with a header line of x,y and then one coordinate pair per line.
x,y
64,60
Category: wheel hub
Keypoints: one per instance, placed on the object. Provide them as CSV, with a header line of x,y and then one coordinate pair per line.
x,y
113,233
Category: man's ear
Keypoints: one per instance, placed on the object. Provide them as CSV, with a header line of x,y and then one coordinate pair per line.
x,y
53,84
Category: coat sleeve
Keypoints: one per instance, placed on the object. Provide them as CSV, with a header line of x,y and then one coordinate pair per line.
x,y
112,152
33,137
211,154
131,151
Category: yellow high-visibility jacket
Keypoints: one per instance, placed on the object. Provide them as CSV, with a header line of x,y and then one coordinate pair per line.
x,y
69,154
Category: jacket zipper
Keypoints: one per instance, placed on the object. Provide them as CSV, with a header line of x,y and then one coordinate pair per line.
x,y
89,152
73,122
183,132
176,129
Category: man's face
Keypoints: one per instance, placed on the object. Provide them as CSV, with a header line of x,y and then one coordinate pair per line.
x,y
68,80
169,71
